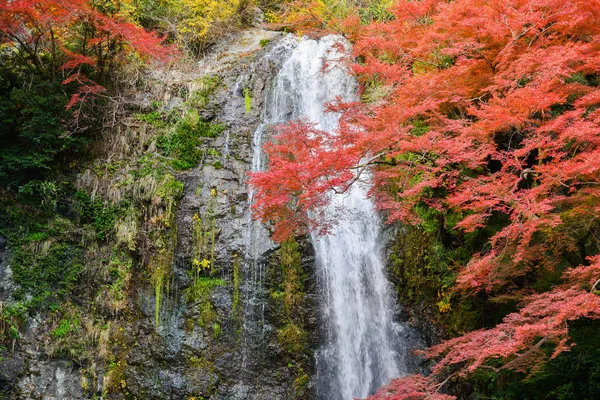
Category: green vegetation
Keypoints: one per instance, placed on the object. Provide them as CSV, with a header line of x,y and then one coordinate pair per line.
x,y
204,243
216,330
44,194
237,281
301,383
33,135
207,87
11,318
170,191
120,273
374,90
292,338
247,100
334,14
423,269
88,197
183,143
289,298
203,266
182,134
47,261
195,25
376,11
48,270
97,213
160,273
65,327
201,288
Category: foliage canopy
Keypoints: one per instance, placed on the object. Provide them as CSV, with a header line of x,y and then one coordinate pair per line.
x,y
488,108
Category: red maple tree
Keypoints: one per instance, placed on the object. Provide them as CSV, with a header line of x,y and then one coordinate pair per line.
x,y
481,109
74,40
412,387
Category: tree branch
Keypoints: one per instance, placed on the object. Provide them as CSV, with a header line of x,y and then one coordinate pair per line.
x,y
361,168
595,285
519,358
439,385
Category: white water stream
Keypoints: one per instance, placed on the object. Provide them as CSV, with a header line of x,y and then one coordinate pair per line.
x,y
360,353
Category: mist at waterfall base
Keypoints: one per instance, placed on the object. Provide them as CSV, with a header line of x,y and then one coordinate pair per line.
x,y
363,347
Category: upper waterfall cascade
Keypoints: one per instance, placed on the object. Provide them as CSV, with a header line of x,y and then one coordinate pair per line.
x,y
363,350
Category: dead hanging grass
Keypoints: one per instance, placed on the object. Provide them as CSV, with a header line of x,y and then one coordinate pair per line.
x,y
73,334
126,228
104,342
128,139
40,248
114,278
137,177
131,176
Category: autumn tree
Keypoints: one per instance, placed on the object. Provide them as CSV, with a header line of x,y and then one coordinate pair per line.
x,y
196,25
57,55
483,111
412,387
326,16
75,40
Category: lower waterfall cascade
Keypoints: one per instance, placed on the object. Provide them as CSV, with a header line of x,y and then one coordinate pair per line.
x,y
363,349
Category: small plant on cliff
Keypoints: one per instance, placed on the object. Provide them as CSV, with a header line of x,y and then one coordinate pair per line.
x,y
247,100
208,86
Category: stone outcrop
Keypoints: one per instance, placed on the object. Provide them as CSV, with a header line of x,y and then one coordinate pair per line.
x,y
212,344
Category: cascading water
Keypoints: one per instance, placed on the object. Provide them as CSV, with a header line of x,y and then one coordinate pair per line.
x,y
294,94
256,238
362,349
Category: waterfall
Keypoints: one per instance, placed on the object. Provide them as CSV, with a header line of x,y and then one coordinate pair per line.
x,y
360,352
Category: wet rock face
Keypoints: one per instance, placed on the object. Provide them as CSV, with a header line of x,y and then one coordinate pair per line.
x,y
223,341
424,331
6,284
210,347
52,381
11,365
